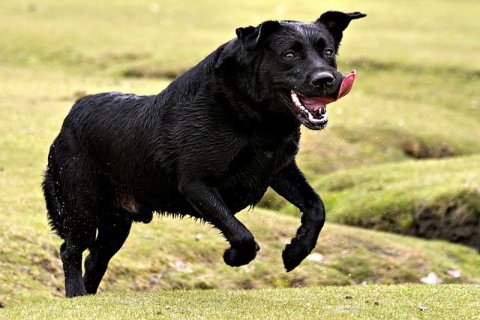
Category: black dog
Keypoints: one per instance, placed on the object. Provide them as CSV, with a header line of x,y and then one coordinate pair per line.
x,y
208,146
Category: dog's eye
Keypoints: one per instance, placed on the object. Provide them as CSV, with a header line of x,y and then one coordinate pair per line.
x,y
328,52
289,55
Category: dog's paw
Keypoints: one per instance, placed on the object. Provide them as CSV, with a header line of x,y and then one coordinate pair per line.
x,y
236,258
294,254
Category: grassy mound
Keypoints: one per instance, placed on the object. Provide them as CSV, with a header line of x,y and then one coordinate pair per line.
x,y
431,198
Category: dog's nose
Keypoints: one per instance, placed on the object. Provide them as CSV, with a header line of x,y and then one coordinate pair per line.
x,y
322,78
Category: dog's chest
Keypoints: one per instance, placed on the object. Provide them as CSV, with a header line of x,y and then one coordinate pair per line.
x,y
255,163
249,173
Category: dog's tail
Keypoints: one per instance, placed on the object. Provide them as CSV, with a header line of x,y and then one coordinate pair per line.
x,y
55,212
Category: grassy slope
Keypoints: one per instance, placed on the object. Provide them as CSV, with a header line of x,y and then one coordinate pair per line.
x,y
442,197
182,254
390,195
423,95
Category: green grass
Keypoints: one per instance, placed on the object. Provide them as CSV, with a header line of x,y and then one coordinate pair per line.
x,y
363,302
403,189
437,198
416,98
174,254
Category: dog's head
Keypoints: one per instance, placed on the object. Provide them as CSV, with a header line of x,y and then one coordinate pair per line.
x,y
296,63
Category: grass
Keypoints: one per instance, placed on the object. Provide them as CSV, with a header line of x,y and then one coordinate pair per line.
x,y
403,144
405,182
173,254
365,302
408,197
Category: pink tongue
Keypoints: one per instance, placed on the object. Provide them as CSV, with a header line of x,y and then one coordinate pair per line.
x,y
313,104
346,85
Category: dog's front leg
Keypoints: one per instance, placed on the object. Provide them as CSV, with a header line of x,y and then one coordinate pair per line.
x,y
291,184
209,204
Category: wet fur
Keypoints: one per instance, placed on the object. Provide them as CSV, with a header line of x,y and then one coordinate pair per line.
x,y
208,146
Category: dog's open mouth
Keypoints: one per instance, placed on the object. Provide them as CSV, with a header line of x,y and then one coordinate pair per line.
x,y
312,111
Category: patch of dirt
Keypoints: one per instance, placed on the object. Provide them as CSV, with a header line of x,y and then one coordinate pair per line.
x,y
148,72
418,149
456,221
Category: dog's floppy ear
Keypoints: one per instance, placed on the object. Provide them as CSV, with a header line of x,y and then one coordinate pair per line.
x,y
225,54
337,21
251,37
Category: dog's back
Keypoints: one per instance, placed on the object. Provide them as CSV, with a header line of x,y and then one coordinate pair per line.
x,y
102,150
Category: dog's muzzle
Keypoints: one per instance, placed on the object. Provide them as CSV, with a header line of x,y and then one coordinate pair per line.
x,y
312,111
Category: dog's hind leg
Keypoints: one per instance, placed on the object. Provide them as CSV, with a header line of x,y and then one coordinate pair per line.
x,y
113,230
65,224
71,253
77,192
209,204
291,184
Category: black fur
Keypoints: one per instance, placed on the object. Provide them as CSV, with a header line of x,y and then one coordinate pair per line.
x,y
208,146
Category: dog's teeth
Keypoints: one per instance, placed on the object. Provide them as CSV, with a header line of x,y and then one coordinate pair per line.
x,y
296,101
320,112
319,115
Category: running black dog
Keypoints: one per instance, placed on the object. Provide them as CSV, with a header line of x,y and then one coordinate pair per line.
x,y
208,146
